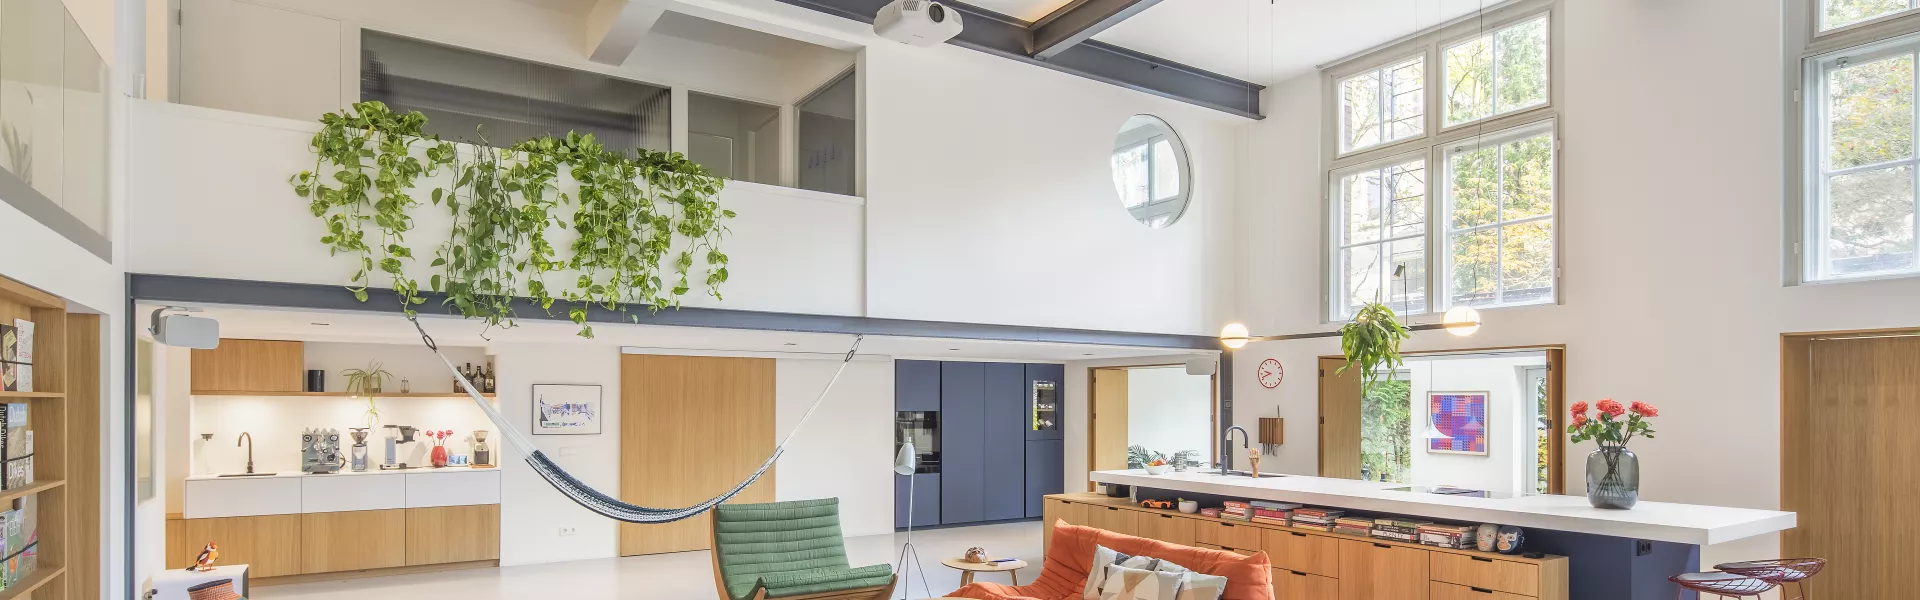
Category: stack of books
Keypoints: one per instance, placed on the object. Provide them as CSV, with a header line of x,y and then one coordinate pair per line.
x,y
1236,510
1398,529
1352,526
1317,519
1273,513
1446,536
1210,512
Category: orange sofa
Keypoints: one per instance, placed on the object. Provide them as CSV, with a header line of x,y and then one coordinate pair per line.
x,y
1065,574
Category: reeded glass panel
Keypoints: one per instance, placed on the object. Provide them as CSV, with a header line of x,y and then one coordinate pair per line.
x,y
734,139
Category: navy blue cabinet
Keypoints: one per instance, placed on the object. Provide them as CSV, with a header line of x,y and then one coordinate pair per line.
x,y
916,385
963,463
1046,472
1045,402
925,488
1005,449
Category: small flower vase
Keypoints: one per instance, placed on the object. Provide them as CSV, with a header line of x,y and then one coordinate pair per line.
x,y
439,456
1613,478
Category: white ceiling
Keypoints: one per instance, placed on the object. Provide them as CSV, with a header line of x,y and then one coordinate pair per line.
x,y
377,328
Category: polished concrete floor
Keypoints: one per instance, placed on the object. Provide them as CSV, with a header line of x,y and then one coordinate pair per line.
x,y
687,575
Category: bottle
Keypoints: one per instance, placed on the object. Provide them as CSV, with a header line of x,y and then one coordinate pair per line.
x,y
489,378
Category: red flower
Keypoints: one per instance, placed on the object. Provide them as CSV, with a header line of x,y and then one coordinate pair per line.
x,y
1643,409
1610,407
1579,419
1580,408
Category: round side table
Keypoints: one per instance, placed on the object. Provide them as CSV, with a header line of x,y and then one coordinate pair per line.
x,y
967,569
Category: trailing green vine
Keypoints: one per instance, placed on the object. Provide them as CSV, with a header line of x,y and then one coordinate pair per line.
x,y
1372,341
631,214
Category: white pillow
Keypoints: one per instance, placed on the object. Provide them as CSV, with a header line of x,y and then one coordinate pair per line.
x,y
1151,564
1138,584
1195,586
1103,557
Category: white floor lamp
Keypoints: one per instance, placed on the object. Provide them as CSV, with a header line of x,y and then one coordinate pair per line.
x,y
905,463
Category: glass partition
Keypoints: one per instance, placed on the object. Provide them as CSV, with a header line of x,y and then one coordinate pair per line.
x,y
735,139
53,120
827,131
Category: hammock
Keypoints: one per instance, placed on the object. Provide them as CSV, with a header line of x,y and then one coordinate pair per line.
x,y
595,500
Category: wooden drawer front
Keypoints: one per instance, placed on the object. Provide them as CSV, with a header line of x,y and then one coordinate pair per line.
x,y
1295,585
1295,551
1111,518
1448,591
1073,513
1231,535
271,544
1239,551
1166,528
1487,573
351,541
451,534
1371,571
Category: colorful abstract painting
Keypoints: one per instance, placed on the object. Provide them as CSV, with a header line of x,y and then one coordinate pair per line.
x,y
1462,416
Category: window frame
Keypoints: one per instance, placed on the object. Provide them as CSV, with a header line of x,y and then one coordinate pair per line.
x,y
1493,32
1499,224
1433,142
1337,223
1380,67
1803,209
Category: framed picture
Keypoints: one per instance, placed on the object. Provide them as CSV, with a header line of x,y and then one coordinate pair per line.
x,y
1463,417
566,409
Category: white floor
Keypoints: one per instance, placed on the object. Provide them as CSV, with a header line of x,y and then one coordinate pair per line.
x,y
687,575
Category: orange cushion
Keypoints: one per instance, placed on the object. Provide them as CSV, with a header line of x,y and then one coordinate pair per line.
x,y
1070,558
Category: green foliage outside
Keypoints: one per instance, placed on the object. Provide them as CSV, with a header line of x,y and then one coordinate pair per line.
x,y
1541,437
1871,122
1840,13
1386,431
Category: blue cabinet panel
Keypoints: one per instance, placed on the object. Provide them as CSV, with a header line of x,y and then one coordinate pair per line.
x,y
916,385
925,488
1005,447
1056,400
962,441
1046,471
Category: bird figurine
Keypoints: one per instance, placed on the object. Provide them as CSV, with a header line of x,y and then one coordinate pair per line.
x,y
207,554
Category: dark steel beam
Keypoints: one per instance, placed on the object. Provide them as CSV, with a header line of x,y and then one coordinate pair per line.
x,y
1011,38
161,289
1079,21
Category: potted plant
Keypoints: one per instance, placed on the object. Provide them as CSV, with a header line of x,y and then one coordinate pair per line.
x,y
1613,471
1372,341
367,382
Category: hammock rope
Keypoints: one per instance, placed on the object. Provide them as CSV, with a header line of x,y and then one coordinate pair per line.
x,y
595,500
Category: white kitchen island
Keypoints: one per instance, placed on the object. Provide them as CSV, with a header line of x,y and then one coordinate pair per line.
x,y
1613,554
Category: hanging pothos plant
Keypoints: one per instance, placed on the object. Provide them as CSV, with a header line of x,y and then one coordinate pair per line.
x,y
1371,341
631,213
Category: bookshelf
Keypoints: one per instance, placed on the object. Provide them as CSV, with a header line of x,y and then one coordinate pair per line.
x,y
64,413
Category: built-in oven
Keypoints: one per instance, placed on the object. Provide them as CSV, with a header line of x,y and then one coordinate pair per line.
x,y
922,427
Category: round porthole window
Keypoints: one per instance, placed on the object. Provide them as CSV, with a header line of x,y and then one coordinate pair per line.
x,y
1150,171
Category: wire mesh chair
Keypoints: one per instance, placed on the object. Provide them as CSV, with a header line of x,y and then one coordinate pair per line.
x,y
1724,585
1781,572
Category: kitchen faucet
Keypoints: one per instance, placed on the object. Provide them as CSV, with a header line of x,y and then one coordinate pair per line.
x,y
247,438
1226,447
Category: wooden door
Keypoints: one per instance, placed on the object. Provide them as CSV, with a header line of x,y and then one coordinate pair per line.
x,y
1339,420
1847,467
691,428
1370,571
1109,416
271,544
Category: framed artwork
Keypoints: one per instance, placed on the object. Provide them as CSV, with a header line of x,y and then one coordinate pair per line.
x,y
1462,416
566,409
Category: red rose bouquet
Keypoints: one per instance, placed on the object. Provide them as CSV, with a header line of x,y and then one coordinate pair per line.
x,y
1608,428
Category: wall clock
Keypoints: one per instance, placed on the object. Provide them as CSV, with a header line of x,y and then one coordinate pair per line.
x,y
1270,373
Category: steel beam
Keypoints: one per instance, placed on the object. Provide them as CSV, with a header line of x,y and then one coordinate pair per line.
x,y
1079,21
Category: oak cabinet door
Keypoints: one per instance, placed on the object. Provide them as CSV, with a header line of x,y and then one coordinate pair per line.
x,y
1165,527
1297,585
1373,571
1110,518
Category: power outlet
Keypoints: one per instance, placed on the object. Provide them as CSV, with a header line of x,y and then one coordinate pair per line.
x,y
567,531
1642,548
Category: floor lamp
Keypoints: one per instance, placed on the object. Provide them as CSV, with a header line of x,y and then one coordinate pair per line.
x,y
905,463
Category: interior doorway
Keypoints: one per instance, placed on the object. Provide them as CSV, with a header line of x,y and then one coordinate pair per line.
x,y
1847,415
1143,412
1497,411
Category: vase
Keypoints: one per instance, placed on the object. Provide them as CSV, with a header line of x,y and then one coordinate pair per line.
x,y
1613,478
439,456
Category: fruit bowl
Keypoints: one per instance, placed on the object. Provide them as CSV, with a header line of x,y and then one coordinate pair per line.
x,y
1158,469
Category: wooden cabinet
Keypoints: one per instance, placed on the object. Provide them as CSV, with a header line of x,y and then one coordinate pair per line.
x,y
1073,513
1111,518
270,543
1379,571
178,556
250,366
351,541
450,534
1486,573
1448,591
1233,536
1166,528
1297,585
1299,551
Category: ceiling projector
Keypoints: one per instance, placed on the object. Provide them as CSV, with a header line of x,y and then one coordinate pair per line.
x,y
917,22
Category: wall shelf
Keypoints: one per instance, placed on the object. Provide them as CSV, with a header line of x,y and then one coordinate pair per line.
x,y
39,577
37,487
337,394
29,395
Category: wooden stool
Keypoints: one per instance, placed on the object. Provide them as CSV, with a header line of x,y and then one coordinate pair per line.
x,y
1724,585
967,569
1779,572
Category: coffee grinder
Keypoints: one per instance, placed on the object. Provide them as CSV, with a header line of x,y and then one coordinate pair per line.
x,y
359,451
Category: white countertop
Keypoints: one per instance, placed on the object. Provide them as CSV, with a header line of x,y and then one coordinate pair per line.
x,y
347,473
1662,521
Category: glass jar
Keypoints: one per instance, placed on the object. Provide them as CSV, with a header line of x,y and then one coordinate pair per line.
x,y
1613,478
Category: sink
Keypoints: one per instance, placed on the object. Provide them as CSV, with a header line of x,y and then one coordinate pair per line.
x,y
247,474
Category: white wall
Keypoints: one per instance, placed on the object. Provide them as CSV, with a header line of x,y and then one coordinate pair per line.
x,y
846,450
1169,411
1510,441
1658,305
531,511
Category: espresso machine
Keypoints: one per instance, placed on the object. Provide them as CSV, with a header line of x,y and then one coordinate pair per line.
x,y
398,438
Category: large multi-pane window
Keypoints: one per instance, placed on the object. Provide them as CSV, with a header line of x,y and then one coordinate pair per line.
x,y
1442,181
1860,178
1835,14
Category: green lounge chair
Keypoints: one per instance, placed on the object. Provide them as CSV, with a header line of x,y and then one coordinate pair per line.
x,y
791,550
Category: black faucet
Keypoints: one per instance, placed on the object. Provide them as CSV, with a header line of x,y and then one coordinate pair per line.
x,y
247,438
1226,447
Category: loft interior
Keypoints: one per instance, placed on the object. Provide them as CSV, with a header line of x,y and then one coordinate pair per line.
x,y
1374,300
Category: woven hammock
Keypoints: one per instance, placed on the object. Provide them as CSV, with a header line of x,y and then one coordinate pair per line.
x,y
595,500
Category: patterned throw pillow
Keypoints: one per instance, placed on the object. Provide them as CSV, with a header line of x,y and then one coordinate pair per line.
x,y
1194,586
1103,557
1138,584
1149,563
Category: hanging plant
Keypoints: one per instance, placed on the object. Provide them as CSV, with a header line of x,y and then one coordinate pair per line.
x,y
368,382
1372,342
631,212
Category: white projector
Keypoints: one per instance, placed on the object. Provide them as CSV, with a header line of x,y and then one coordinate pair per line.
x,y
917,22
